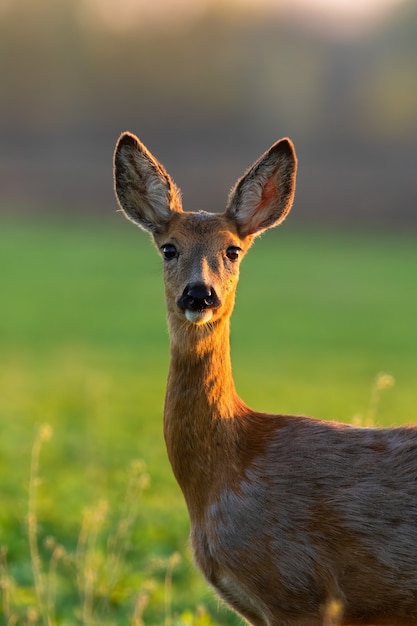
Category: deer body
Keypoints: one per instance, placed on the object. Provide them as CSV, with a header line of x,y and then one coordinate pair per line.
x,y
295,521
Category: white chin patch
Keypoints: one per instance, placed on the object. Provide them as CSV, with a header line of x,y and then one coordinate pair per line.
x,y
199,317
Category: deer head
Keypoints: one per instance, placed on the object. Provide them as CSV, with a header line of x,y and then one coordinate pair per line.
x,y
202,251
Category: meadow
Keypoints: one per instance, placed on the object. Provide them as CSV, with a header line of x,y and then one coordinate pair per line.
x,y
93,528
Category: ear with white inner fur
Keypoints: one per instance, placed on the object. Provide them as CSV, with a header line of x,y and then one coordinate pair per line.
x,y
145,192
263,197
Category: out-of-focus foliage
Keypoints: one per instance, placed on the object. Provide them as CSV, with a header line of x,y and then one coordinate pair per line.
x,y
207,95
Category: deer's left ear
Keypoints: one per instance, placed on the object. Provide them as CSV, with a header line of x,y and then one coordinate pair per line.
x,y
263,197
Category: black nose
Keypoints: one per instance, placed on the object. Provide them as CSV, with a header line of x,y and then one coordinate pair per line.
x,y
198,297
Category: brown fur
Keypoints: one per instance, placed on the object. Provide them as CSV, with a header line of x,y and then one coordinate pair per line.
x,y
295,521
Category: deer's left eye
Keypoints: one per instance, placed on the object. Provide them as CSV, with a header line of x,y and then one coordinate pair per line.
x,y
233,252
169,251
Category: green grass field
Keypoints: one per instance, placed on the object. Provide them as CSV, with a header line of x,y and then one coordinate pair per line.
x,y
84,349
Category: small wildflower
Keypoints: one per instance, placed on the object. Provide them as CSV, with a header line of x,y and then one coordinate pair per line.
x,y
50,543
385,381
59,552
174,560
32,615
45,433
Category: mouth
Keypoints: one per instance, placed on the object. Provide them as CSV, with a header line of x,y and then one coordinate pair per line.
x,y
199,317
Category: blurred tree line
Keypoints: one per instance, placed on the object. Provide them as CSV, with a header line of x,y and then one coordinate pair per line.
x,y
207,96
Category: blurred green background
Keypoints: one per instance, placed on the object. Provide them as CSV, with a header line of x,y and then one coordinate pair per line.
x,y
326,304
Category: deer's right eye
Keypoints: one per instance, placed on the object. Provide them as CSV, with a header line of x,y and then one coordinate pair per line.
x,y
169,251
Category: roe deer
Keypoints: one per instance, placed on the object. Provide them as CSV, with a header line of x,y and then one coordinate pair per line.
x,y
294,521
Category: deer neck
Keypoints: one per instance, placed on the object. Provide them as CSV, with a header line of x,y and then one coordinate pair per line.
x,y
201,406
201,371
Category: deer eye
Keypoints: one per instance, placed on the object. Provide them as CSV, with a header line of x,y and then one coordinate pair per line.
x,y
169,251
233,252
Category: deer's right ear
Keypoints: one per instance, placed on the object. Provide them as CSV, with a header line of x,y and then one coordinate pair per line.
x,y
145,192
